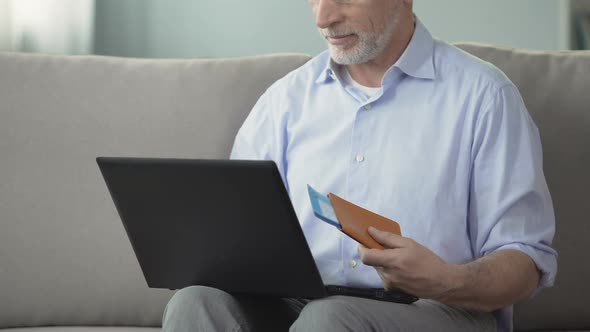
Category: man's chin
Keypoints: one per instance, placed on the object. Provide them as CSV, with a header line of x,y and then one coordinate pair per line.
x,y
343,59
352,56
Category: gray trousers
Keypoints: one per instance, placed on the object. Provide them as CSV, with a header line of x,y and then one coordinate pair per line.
x,y
199,308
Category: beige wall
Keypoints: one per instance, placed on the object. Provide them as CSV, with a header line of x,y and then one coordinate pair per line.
x,y
47,26
534,24
189,28
5,24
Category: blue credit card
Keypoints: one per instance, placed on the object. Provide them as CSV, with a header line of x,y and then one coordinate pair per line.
x,y
322,207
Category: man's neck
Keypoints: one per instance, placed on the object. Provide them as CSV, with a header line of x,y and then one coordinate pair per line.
x,y
371,73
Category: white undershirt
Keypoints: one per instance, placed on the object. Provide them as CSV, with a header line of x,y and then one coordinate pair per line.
x,y
368,91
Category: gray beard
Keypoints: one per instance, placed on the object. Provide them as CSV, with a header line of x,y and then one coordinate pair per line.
x,y
368,47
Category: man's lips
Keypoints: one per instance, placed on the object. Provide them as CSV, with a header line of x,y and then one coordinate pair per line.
x,y
340,40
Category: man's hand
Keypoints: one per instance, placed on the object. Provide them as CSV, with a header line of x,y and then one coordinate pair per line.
x,y
407,265
488,283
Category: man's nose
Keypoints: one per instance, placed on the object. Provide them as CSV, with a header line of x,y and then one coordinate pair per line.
x,y
327,13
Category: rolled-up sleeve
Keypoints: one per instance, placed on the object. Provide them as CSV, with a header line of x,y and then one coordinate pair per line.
x,y
510,206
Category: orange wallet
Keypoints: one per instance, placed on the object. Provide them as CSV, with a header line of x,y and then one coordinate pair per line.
x,y
355,222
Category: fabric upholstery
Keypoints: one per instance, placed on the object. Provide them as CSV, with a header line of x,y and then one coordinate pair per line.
x,y
64,255
556,89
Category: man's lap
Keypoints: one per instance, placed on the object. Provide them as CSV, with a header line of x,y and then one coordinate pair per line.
x,y
208,307
346,313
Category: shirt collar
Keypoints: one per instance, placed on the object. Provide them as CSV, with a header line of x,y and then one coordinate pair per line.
x,y
328,73
418,58
416,61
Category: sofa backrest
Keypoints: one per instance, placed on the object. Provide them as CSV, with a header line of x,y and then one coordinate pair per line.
x,y
64,255
556,89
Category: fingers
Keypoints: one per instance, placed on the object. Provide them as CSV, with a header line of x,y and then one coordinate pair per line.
x,y
374,257
387,278
387,239
384,258
383,261
384,273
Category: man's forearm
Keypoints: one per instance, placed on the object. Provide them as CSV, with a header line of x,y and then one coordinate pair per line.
x,y
491,282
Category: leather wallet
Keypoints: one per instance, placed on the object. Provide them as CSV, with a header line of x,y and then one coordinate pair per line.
x,y
355,222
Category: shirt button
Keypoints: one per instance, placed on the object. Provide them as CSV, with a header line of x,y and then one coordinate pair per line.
x,y
353,264
367,107
360,158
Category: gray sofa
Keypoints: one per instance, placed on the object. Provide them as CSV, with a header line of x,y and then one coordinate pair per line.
x,y
65,261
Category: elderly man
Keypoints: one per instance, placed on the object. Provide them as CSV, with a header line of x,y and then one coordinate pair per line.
x,y
416,130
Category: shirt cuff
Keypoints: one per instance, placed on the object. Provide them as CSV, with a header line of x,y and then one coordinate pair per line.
x,y
545,260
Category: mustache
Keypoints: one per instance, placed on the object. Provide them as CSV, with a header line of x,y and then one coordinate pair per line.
x,y
335,32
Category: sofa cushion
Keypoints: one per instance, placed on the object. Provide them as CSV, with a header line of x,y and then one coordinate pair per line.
x,y
555,87
64,255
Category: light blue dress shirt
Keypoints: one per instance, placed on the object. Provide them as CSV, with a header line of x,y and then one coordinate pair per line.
x,y
446,148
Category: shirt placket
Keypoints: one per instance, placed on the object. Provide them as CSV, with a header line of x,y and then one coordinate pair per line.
x,y
358,179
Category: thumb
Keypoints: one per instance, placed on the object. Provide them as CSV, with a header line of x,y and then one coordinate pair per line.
x,y
386,239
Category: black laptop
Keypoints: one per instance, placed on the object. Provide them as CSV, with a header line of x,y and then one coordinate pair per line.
x,y
227,224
